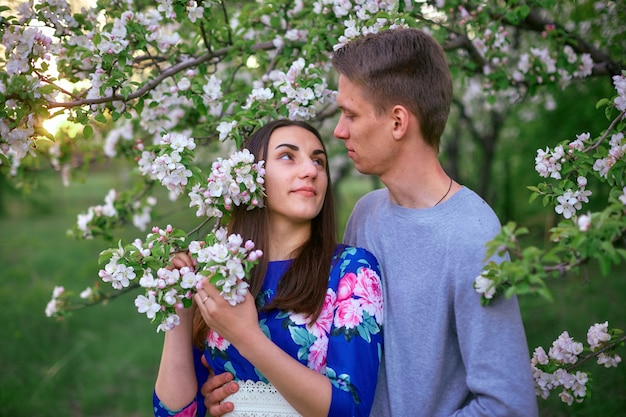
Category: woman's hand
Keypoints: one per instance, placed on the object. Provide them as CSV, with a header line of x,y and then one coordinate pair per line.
x,y
234,323
182,259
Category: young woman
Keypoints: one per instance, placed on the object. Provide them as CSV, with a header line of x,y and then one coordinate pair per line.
x,y
310,327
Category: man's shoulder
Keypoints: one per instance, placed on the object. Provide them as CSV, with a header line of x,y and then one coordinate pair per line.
x,y
468,204
374,197
471,220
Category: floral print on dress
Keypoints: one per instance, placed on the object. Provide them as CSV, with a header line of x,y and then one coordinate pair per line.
x,y
160,410
344,343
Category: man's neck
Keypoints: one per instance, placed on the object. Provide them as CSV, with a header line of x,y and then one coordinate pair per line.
x,y
419,184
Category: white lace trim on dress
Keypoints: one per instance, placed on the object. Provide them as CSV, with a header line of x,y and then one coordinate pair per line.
x,y
258,399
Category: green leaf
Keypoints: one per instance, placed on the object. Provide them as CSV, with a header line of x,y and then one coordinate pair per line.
x,y
100,118
88,132
602,102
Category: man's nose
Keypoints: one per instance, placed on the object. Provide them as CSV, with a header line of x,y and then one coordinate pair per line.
x,y
340,131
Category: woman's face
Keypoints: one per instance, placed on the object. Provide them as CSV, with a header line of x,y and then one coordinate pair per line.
x,y
295,175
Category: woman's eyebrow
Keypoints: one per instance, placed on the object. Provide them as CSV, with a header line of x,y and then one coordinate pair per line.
x,y
297,148
288,145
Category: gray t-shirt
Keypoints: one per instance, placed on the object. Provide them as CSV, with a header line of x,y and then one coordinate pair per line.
x,y
444,354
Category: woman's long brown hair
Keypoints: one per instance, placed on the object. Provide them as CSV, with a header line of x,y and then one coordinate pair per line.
x,y
303,287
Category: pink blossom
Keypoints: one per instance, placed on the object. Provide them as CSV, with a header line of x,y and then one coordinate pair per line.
x,y
566,397
188,411
317,354
214,340
609,360
369,289
349,314
597,335
539,356
584,222
565,349
322,326
346,286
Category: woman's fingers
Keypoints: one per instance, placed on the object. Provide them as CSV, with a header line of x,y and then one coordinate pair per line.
x,y
182,259
208,288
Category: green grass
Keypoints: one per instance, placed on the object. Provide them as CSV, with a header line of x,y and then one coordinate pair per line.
x,y
581,300
102,360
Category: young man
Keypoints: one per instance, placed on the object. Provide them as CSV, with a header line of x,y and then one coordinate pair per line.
x,y
444,354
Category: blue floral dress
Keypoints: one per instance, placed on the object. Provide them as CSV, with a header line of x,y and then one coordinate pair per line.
x,y
344,343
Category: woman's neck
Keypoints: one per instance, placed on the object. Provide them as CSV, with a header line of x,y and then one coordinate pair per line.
x,y
285,240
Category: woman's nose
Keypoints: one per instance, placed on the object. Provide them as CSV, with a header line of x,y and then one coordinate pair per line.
x,y
309,169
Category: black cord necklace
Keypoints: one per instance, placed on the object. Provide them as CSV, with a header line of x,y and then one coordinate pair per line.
x,y
447,192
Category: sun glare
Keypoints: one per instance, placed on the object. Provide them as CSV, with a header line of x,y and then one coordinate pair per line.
x,y
53,125
60,123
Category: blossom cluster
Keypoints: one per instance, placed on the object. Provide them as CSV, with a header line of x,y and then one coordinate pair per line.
x,y
617,150
361,19
102,216
619,81
572,200
551,163
225,258
235,181
169,165
552,370
302,88
56,302
484,286
165,106
581,66
548,162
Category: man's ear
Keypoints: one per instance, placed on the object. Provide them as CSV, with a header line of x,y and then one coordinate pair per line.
x,y
400,116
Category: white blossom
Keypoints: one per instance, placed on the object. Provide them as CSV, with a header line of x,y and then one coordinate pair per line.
x,y
484,286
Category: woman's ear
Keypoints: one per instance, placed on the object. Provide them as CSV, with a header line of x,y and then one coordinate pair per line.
x,y
400,116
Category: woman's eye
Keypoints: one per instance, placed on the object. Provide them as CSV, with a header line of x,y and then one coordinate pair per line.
x,y
285,156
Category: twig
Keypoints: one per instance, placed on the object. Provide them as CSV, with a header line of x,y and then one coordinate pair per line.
x,y
170,72
621,116
102,298
596,353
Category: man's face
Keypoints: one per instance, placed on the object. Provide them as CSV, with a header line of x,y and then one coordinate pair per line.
x,y
366,134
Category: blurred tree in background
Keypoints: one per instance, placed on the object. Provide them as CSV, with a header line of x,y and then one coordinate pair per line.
x,y
540,98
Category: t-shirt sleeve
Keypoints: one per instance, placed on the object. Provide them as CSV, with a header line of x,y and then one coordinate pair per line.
x,y
355,340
